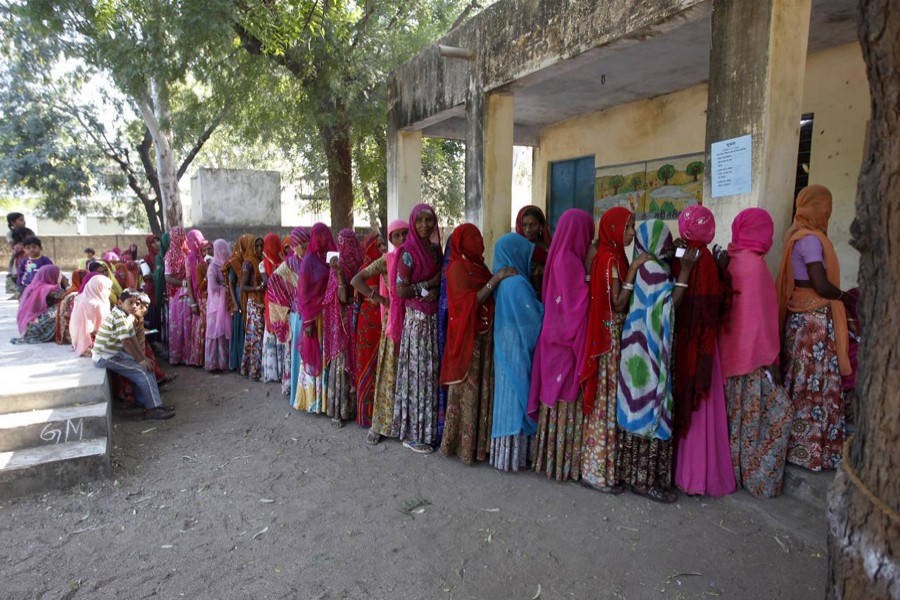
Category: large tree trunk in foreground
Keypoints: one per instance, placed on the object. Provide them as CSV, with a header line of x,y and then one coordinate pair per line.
x,y
864,526
335,133
156,117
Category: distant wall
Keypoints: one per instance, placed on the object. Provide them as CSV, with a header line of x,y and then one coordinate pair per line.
x,y
235,197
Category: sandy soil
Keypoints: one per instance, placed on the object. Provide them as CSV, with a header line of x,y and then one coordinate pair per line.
x,y
241,497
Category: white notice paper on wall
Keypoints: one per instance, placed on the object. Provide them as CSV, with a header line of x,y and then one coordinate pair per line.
x,y
730,166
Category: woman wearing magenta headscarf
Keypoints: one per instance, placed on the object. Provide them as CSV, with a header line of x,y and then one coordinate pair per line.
x,y
311,288
703,454
283,311
414,317
555,401
197,285
218,314
759,411
339,333
178,292
36,316
386,366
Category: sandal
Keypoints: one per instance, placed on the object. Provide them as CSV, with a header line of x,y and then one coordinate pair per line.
x,y
418,447
615,490
373,438
656,494
337,423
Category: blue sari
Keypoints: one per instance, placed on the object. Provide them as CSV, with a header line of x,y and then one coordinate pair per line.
x,y
237,325
443,318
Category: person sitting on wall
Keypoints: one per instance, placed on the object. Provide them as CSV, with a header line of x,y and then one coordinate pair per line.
x,y
116,348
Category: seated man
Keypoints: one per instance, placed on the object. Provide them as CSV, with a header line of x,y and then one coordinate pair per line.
x,y
116,348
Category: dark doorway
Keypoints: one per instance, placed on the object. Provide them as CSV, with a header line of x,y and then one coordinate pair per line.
x,y
571,186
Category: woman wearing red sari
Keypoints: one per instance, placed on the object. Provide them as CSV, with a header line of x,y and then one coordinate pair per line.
x,y
468,365
368,333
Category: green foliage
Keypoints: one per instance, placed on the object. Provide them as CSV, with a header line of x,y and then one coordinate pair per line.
x,y
665,173
616,181
444,178
637,183
694,169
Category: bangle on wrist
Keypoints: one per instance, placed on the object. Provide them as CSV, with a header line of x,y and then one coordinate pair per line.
x,y
627,286
489,286
681,285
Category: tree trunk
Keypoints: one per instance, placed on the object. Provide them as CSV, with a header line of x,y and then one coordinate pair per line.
x,y
156,118
864,526
335,134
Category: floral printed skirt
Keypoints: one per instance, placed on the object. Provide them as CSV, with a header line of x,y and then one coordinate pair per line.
x,y
759,422
385,380
644,463
215,353
470,406
273,357
813,383
598,454
558,450
40,330
197,355
179,328
310,388
416,393
251,362
340,393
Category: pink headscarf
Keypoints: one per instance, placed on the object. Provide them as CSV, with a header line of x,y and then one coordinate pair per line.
x,y
195,243
91,307
218,321
559,355
311,289
748,337
33,302
389,259
299,235
424,268
338,319
175,258
697,224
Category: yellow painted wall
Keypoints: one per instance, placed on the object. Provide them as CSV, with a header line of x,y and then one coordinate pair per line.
x,y
835,89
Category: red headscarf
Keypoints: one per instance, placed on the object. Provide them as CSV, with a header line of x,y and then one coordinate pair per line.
x,y
697,319
311,288
150,257
338,318
610,253
273,252
424,268
175,258
466,275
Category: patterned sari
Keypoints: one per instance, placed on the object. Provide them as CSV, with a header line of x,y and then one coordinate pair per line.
x,y
368,336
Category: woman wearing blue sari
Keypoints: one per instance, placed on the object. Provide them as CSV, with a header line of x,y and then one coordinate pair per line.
x,y
518,316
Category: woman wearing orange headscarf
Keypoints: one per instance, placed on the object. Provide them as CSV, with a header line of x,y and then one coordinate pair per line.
x,y
814,325
245,260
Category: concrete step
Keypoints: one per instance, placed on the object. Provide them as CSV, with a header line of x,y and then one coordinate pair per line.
x,y
57,466
46,427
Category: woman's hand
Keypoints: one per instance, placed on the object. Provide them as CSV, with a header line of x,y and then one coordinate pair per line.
x,y
433,294
334,264
310,330
641,260
690,258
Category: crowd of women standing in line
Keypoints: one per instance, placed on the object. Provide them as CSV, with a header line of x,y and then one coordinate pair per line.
x,y
679,369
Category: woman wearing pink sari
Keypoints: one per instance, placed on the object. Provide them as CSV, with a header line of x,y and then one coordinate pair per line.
x,y
196,244
759,410
312,284
386,366
91,307
179,294
339,337
555,401
703,454
218,313
414,317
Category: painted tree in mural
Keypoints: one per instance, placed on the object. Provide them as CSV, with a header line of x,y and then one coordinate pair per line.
x,y
694,169
665,173
616,181
864,508
637,183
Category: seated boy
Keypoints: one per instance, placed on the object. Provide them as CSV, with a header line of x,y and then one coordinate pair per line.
x,y
34,260
116,349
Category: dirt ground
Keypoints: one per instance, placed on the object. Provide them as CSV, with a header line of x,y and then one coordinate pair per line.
x,y
239,497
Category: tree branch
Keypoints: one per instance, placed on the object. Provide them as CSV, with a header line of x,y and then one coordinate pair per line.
x,y
465,14
204,137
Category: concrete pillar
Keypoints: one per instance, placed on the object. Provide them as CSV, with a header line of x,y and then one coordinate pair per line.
x,y
756,74
489,164
404,173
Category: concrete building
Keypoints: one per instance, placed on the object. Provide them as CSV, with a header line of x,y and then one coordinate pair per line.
x,y
224,197
602,89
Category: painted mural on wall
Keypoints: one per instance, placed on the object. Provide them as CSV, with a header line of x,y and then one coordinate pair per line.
x,y
651,189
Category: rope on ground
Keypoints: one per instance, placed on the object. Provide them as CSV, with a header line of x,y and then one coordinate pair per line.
x,y
854,478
